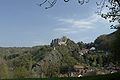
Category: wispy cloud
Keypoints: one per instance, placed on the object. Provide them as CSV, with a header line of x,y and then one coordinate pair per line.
x,y
86,23
72,25
71,32
76,23
61,29
66,30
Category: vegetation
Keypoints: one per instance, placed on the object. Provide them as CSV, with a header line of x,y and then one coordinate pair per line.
x,y
59,58
51,60
3,69
113,7
114,76
116,48
110,43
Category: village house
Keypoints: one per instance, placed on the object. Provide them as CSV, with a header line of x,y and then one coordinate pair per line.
x,y
92,49
78,71
84,51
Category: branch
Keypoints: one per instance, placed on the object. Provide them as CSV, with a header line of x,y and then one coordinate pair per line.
x,y
115,27
51,4
43,3
100,5
54,2
66,0
118,1
114,15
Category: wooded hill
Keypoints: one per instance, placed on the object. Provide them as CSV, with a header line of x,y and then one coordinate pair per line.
x,y
54,59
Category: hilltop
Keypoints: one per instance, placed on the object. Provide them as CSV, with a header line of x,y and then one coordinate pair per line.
x,y
62,58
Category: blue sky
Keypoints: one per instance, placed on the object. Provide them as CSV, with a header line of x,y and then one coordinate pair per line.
x,y
23,23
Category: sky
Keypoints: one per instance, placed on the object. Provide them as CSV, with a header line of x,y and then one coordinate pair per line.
x,y
24,24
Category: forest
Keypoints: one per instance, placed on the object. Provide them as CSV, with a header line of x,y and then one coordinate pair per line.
x,y
62,58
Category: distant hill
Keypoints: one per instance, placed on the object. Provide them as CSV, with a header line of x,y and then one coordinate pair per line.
x,y
110,43
51,60
104,42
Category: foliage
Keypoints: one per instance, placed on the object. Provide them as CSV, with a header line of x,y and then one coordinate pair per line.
x,y
116,48
114,76
103,42
21,72
49,60
52,3
39,53
4,73
113,13
81,44
24,60
111,44
113,7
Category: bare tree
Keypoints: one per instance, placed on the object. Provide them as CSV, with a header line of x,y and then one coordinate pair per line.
x,y
113,6
53,2
114,11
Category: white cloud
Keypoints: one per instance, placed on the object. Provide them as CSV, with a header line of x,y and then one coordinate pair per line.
x,y
76,23
71,32
66,30
61,29
72,25
86,23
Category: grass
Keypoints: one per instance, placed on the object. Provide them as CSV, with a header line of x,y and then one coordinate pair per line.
x,y
114,76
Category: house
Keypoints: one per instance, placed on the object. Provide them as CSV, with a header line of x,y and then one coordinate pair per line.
x,y
84,51
92,49
80,70
111,68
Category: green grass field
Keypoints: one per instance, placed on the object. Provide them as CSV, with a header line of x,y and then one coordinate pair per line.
x,y
114,76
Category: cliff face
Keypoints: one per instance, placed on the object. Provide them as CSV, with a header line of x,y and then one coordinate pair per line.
x,y
59,41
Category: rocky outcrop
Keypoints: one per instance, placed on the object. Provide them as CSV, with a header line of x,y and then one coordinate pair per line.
x,y
60,41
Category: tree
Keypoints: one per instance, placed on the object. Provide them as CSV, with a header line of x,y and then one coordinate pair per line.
x,y
113,5
52,3
114,11
100,60
22,65
113,15
3,69
24,60
81,45
21,72
116,48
